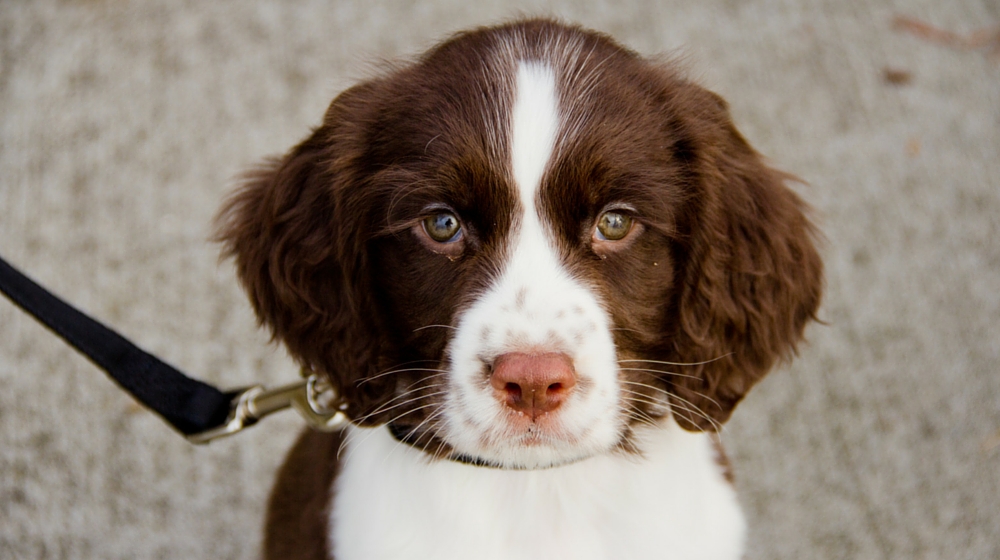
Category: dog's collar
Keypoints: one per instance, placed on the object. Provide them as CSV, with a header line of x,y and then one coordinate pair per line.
x,y
409,437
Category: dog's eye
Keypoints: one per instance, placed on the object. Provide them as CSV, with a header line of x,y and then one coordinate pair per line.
x,y
443,227
613,226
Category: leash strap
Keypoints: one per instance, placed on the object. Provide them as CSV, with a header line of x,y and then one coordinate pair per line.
x,y
190,406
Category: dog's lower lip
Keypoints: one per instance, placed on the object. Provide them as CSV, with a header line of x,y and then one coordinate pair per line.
x,y
532,439
534,435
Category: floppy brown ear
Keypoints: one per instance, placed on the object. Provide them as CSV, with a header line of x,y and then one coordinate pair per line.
x,y
299,255
753,277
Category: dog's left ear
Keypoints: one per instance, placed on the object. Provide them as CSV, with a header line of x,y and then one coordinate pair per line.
x,y
752,279
297,229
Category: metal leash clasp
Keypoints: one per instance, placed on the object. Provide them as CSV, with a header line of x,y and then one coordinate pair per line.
x,y
312,398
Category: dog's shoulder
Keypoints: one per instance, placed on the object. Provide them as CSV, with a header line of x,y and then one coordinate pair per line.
x,y
298,510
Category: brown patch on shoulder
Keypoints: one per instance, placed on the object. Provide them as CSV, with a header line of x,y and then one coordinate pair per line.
x,y
722,459
299,507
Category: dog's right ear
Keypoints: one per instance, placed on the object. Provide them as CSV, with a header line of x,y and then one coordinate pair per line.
x,y
299,255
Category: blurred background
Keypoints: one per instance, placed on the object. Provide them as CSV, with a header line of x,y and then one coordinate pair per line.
x,y
123,124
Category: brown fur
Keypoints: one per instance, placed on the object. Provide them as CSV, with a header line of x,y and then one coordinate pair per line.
x,y
300,501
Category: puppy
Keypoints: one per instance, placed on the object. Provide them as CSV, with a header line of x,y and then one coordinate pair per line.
x,y
540,272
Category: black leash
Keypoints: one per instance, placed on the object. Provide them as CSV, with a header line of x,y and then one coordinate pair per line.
x,y
187,404
198,410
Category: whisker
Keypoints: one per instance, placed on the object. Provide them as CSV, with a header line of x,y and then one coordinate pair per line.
x,y
636,414
433,326
410,433
410,391
439,451
430,432
693,409
673,373
627,391
372,431
343,443
428,421
417,394
383,409
677,363
645,399
354,448
662,390
411,362
646,385
385,373
426,383
642,417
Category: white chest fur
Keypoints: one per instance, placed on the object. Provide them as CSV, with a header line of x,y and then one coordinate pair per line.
x,y
392,503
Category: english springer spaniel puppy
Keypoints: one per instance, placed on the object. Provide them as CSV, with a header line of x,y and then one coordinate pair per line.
x,y
540,270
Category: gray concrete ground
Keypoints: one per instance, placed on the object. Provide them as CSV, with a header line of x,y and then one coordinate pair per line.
x,y
122,125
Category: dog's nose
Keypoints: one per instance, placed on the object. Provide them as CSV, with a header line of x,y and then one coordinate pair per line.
x,y
533,384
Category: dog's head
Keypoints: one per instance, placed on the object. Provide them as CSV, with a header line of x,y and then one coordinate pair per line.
x,y
524,245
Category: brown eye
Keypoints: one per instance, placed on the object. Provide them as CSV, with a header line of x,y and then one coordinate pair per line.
x,y
443,227
613,226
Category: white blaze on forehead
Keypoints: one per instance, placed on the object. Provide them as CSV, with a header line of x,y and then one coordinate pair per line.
x,y
534,124
534,305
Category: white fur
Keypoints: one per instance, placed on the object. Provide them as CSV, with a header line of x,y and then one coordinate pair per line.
x,y
534,306
534,125
392,502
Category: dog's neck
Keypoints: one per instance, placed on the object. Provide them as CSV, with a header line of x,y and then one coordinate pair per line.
x,y
672,500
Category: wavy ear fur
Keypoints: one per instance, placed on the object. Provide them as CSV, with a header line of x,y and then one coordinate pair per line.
x,y
753,280
299,246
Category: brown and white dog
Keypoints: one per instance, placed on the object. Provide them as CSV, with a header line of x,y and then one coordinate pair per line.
x,y
541,271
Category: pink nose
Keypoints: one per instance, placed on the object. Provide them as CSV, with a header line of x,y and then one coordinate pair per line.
x,y
533,384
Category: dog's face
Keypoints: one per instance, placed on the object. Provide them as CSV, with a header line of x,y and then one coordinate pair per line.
x,y
526,244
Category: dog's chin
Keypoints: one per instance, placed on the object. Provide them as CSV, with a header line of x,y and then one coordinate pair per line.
x,y
534,456
528,449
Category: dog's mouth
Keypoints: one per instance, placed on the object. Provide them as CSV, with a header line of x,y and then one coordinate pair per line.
x,y
517,445
532,438
512,440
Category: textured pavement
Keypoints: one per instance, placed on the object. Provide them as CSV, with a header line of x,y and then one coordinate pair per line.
x,y
122,125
